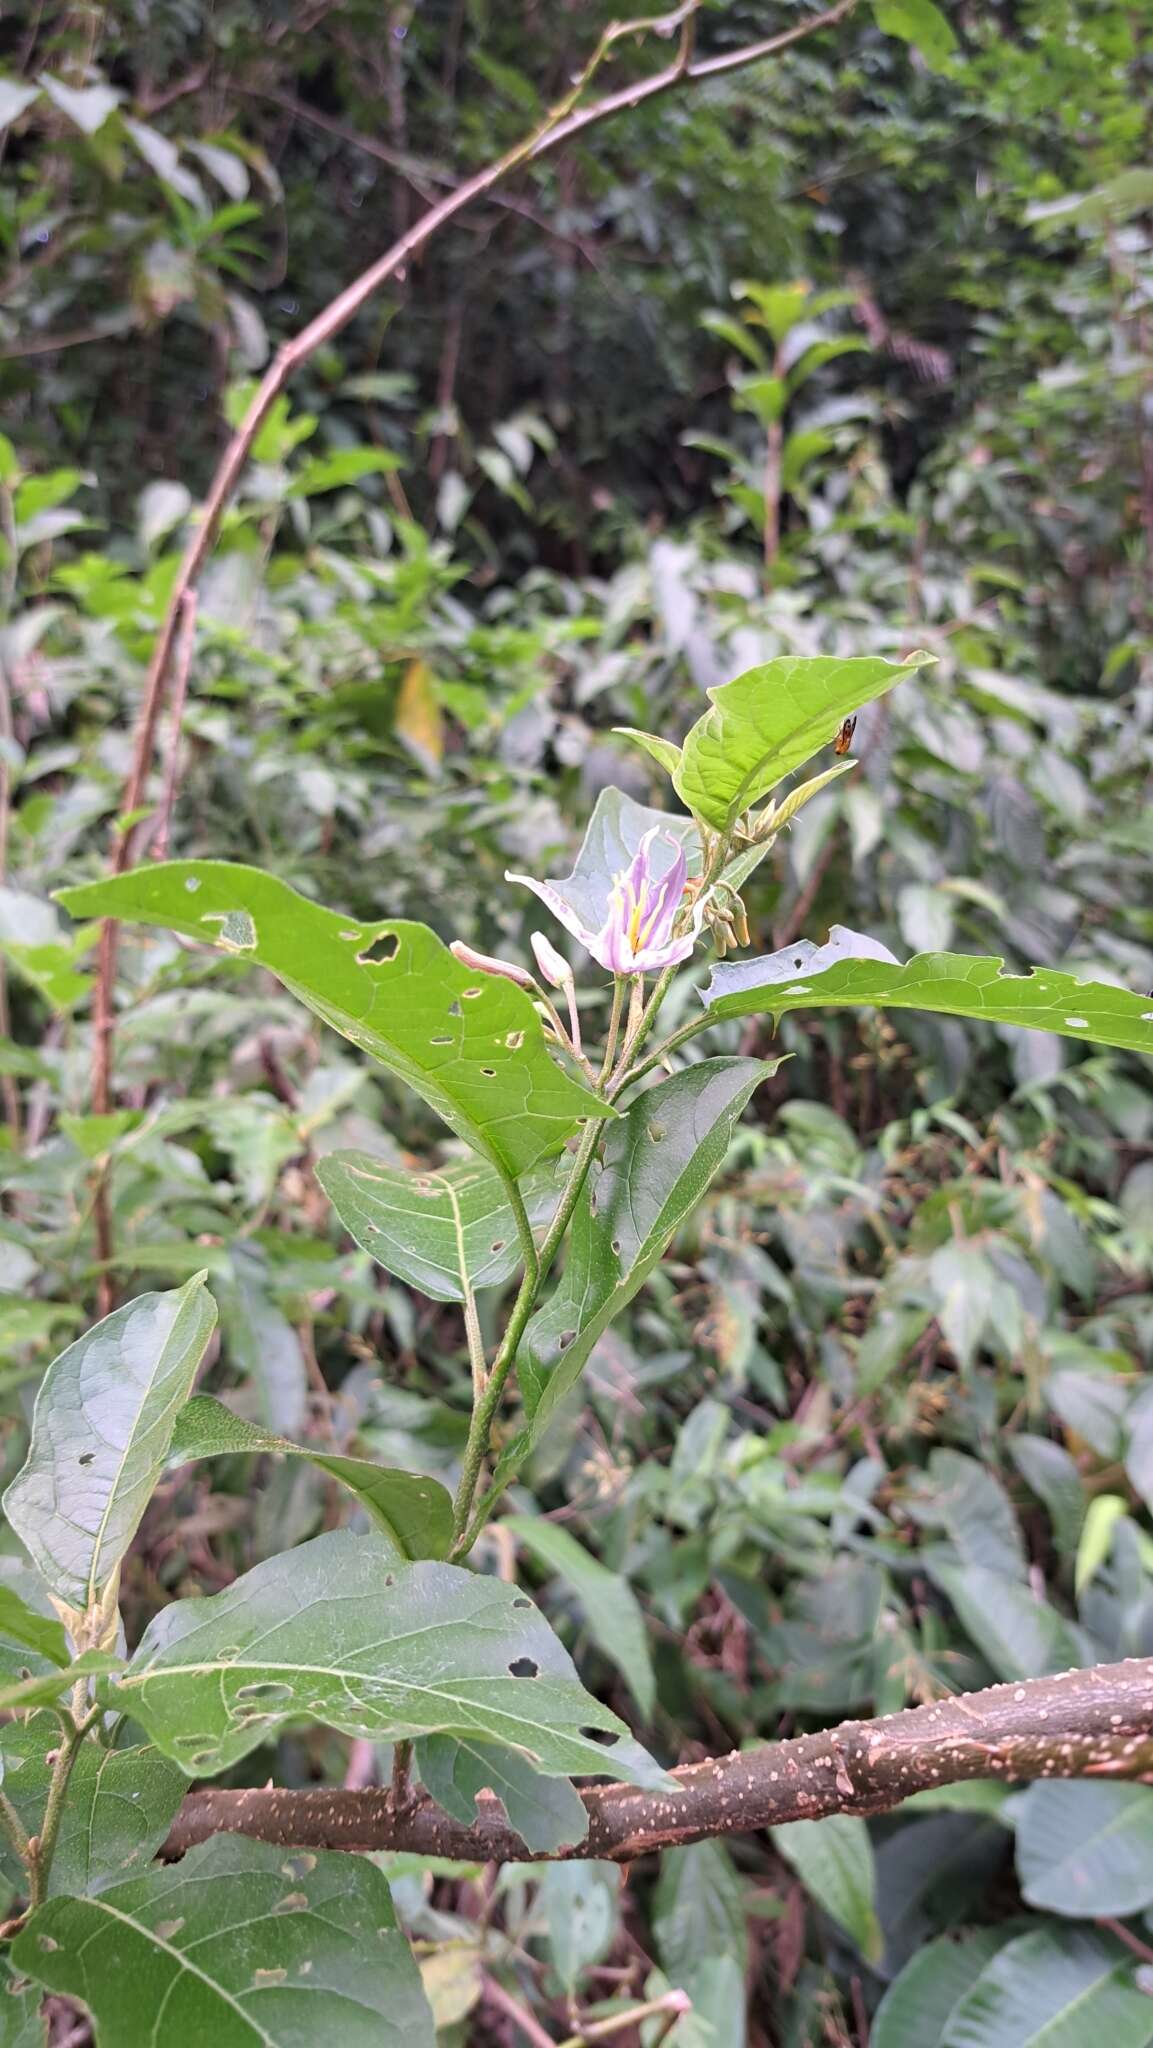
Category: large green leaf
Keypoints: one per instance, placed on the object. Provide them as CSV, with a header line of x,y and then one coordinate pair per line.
x,y
337,1632
444,1231
806,977
103,1422
834,1860
657,1163
547,1813
918,2006
119,1805
921,23
29,1642
1086,1850
1057,1988
471,1044
414,1512
615,1621
45,1686
240,1945
769,722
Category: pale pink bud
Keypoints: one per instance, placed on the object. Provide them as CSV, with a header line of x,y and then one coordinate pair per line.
x,y
552,964
484,963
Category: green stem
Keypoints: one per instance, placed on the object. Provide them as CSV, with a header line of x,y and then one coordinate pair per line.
x,y
681,1036
13,1828
480,1428
43,1848
614,1027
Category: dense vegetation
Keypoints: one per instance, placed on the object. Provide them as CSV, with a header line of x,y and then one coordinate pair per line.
x,y
832,358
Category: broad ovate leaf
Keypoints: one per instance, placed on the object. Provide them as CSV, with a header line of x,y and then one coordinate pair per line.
x,y
658,1161
547,1813
446,1230
471,1044
769,722
102,1425
1057,1987
241,1944
413,1512
1086,1850
117,1811
853,970
338,1632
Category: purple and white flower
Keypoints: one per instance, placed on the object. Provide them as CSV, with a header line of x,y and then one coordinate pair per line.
x,y
635,935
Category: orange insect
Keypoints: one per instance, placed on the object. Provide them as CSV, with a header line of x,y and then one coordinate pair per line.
x,y
844,739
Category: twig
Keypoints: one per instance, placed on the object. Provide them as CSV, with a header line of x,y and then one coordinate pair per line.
x,y
184,647
1092,1723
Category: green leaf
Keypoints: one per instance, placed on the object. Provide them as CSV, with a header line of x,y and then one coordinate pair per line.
x,y
1053,1989
699,1911
344,466
917,2007
580,1903
337,1632
769,721
23,1630
657,1163
1086,1850
45,1686
1018,1635
834,1860
471,1044
21,2025
1102,1515
415,1513
954,984
547,1813
921,23
665,753
101,1429
615,1621
119,1806
1055,1479
444,1230
238,1944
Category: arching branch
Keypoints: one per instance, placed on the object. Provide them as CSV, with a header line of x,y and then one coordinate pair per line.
x,y
1080,1724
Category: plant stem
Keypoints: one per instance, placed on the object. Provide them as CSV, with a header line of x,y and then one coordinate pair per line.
x,y
42,1847
681,1036
614,1028
467,1527
13,1827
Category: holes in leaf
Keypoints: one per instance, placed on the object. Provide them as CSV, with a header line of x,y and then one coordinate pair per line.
x,y
497,1245
616,1247
489,1073
45,1944
520,1601
565,1339
470,993
656,1133
204,1760
444,1038
86,1458
389,1579
524,1667
292,1902
515,1040
265,1689
237,932
454,1010
605,1736
166,1930
262,1978
299,1866
192,884
383,948
798,960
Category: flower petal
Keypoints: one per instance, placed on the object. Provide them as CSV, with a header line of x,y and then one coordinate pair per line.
x,y
556,903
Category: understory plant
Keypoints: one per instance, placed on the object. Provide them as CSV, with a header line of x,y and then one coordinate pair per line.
x,y
582,1132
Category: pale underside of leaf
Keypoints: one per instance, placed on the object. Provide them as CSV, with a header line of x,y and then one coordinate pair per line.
x,y
446,1230
954,984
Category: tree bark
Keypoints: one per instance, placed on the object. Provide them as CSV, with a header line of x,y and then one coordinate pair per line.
x,y
1079,1724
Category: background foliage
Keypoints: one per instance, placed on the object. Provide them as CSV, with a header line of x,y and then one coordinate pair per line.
x,y
848,354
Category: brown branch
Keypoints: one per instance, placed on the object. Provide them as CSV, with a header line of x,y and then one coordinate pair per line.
x,y
567,119
1079,1724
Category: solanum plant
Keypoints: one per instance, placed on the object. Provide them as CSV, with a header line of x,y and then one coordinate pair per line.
x,y
597,1144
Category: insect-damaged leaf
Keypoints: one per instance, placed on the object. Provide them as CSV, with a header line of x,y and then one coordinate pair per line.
x,y
338,1632
445,1230
547,1813
471,1044
413,1512
103,1422
803,977
239,1943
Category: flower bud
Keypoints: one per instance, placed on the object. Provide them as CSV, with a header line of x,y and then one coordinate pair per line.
x,y
484,963
552,964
